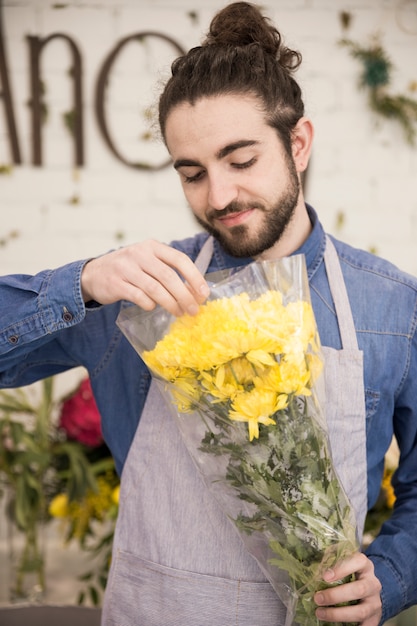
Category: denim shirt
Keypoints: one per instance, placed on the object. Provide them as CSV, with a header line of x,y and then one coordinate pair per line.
x,y
45,328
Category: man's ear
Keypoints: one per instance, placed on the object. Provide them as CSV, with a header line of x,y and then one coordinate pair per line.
x,y
302,141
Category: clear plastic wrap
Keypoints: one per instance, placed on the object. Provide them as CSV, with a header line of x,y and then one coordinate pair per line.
x,y
244,380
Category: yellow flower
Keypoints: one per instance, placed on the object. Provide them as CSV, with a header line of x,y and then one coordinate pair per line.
x,y
314,366
260,358
187,392
240,371
287,377
256,407
388,488
294,377
219,384
59,506
228,379
249,355
115,494
246,368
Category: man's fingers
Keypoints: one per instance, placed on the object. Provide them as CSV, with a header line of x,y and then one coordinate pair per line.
x,y
153,293
361,596
146,274
178,263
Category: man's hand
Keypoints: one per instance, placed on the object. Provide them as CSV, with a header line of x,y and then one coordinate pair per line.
x,y
147,274
365,589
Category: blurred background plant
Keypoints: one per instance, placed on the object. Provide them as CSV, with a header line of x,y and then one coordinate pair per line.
x,y
382,510
91,522
53,451
54,465
376,78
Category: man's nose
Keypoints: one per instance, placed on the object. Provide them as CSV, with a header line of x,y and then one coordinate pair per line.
x,y
221,192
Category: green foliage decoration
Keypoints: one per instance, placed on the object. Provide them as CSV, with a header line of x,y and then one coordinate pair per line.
x,y
376,77
37,461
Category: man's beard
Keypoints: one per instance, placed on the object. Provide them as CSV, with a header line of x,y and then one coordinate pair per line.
x,y
239,241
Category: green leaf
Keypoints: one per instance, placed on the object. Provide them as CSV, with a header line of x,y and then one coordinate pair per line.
x,y
16,401
94,595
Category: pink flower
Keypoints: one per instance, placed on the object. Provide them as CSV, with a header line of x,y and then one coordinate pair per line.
x,y
80,418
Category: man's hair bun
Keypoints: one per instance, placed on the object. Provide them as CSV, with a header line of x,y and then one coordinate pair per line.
x,y
242,24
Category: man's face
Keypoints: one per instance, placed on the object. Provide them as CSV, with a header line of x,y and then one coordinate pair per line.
x,y
237,178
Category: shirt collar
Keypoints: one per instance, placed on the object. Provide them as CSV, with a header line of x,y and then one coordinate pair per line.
x,y
314,246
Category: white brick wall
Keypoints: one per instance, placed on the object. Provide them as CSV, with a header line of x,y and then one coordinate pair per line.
x,y
360,167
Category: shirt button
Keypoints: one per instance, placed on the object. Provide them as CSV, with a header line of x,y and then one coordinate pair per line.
x,y
13,339
67,316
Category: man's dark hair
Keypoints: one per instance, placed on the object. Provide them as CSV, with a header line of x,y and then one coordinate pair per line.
x,y
241,54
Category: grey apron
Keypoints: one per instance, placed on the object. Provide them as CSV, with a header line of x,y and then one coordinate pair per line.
x,y
177,559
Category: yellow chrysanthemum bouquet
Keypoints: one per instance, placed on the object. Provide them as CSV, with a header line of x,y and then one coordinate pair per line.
x,y
243,376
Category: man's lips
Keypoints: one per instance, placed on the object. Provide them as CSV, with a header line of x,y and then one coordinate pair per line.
x,y
234,219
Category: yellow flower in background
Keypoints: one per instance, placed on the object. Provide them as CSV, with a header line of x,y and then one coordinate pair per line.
x,y
94,506
383,508
59,506
388,488
391,463
115,494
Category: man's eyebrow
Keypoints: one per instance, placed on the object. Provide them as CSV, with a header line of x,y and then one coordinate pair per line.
x,y
223,152
185,162
231,147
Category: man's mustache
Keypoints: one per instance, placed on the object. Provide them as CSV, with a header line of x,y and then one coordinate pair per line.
x,y
234,207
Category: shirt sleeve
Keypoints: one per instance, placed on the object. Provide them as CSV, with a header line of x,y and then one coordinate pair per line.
x,y
33,308
394,551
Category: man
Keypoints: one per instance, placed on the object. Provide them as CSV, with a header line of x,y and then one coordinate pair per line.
x,y
232,118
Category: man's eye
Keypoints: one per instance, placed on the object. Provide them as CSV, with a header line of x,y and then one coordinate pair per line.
x,y
243,166
194,178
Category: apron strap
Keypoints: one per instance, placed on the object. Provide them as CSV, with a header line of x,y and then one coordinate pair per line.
x,y
340,297
204,256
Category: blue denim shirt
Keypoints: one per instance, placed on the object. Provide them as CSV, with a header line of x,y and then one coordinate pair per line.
x,y
45,329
